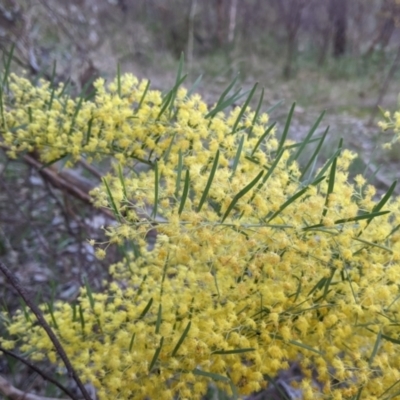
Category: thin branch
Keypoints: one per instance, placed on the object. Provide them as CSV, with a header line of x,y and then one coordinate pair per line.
x,y
64,182
37,370
35,309
13,393
385,86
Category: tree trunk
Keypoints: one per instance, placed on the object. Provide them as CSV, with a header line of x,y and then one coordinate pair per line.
x,y
190,43
232,21
220,22
291,16
338,12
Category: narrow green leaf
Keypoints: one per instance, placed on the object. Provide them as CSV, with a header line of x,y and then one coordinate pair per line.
x,y
89,293
330,161
164,275
273,107
287,203
143,96
159,319
18,127
65,88
194,86
331,186
64,161
53,72
73,312
384,199
376,348
146,309
156,188
48,164
3,121
235,393
286,129
243,109
185,192
394,230
298,291
209,181
50,104
51,311
230,101
156,354
257,112
307,139
25,310
315,154
140,290
168,151
111,199
168,101
181,339
390,339
77,109
132,341
241,193
328,283
237,156
178,82
306,347
271,168
122,180
317,181
358,395
372,244
374,173
319,285
361,217
165,104
233,351
211,375
179,174
7,66
352,219
89,131
222,97
82,318
296,145
393,396
262,137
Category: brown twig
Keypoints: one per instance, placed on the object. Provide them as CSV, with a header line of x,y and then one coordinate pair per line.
x,y
37,370
15,394
35,309
385,86
57,181
65,182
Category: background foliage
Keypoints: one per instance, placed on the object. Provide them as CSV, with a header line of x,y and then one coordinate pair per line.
x,y
347,70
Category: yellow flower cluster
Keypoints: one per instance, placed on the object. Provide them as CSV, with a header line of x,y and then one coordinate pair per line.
x,y
391,122
253,267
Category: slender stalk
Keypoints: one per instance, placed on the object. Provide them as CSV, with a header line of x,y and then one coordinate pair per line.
x,y
35,309
38,370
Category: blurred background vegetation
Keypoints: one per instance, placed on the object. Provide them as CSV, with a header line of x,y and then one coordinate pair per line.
x,y
338,55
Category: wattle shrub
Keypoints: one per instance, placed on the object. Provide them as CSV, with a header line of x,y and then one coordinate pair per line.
x,y
257,261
